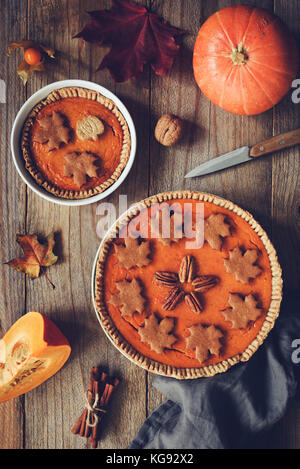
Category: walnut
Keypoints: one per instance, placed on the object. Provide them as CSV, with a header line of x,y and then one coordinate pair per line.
x,y
169,129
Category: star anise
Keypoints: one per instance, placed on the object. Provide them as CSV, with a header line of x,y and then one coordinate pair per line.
x,y
176,283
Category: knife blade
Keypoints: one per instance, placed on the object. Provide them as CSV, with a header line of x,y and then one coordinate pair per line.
x,y
246,153
241,155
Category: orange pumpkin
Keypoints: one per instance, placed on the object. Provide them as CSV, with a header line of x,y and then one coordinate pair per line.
x,y
244,59
31,351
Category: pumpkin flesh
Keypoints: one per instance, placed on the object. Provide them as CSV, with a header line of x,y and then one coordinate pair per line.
x,y
31,351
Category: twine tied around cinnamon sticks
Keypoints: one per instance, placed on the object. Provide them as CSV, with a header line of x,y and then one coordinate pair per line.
x,y
92,410
98,395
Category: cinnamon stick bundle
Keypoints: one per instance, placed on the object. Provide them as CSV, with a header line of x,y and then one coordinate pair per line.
x,y
98,395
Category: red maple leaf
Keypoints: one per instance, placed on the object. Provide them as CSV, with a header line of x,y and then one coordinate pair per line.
x,y
136,36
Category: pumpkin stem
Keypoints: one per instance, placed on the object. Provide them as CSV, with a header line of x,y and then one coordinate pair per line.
x,y
238,55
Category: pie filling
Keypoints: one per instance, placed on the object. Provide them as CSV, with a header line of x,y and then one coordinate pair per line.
x,y
188,307
102,153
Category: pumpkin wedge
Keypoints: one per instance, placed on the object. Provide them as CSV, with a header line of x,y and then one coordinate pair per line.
x,y
31,351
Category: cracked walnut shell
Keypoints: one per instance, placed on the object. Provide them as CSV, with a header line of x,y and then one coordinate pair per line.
x,y
169,129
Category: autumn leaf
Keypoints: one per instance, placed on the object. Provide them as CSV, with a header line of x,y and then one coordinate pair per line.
x,y
136,36
36,255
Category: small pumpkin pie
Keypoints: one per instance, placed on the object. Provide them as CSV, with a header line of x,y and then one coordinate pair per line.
x,y
75,143
193,301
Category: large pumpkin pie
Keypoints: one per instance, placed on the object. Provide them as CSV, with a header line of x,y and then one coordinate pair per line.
x,y
75,143
192,297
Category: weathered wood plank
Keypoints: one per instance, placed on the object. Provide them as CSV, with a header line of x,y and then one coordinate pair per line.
x,y
49,408
130,413
286,172
70,303
286,215
12,206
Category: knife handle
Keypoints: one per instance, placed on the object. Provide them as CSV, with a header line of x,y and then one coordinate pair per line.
x,y
279,142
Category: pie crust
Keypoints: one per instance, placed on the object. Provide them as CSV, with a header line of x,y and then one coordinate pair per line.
x,y
166,369
58,95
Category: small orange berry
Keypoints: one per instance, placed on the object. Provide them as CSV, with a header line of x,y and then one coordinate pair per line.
x,y
32,56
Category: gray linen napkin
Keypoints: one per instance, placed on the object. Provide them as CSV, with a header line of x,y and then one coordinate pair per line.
x,y
228,410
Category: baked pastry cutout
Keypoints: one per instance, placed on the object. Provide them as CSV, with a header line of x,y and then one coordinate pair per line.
x,y
243,264
205,341
129,298
216,229
53,130
89,128
133,253
242,311
158,333
79,166
166,226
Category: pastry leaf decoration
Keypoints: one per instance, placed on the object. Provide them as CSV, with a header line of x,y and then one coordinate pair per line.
x,y
133,253
241,265
173,226
89,128
215,229
53,131
136,36
204,340
36,255
79,166
128,298
157,334
242,310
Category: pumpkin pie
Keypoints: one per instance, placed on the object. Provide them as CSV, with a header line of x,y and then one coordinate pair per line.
x,y
187,303
75,143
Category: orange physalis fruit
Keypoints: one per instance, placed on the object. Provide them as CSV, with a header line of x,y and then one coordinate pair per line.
x,y
31,351
32,56
35,57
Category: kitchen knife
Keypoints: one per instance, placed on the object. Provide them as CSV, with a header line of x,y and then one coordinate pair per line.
x,y
243,154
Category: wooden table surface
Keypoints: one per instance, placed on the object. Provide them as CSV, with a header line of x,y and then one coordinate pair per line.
x,y
268,188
